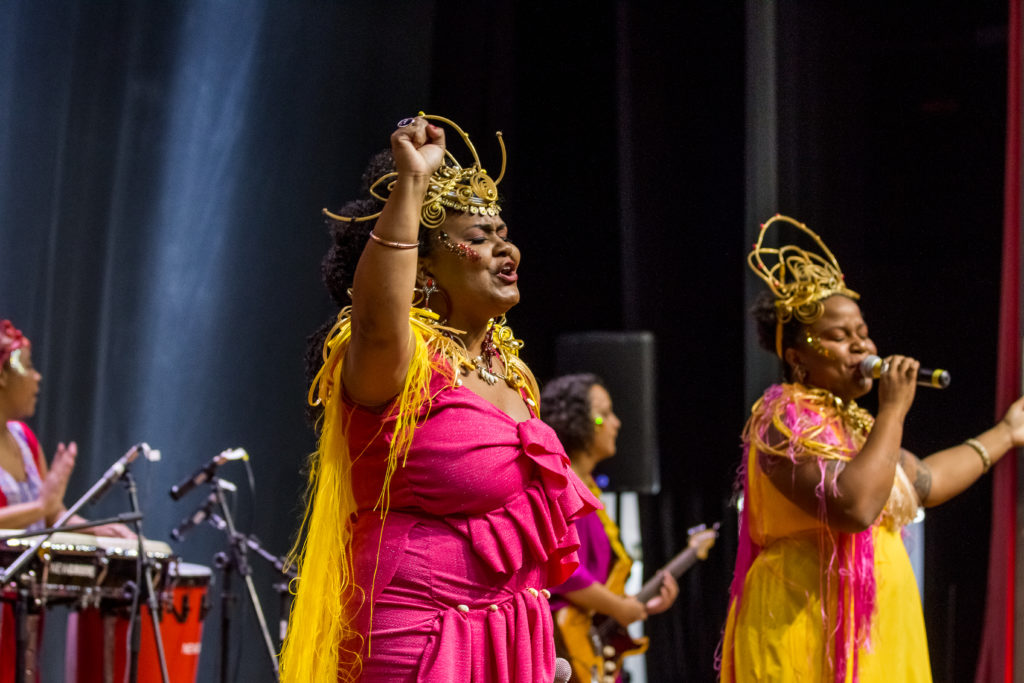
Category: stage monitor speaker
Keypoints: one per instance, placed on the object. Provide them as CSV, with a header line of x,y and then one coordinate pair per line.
x,y
625,362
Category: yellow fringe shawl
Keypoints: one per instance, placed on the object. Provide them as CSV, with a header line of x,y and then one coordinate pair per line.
x,y
322,645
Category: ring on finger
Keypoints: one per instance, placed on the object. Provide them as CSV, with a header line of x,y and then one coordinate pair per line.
x,y
405,122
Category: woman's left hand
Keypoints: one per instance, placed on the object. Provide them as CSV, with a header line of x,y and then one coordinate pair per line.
x,y
1014,421
666,596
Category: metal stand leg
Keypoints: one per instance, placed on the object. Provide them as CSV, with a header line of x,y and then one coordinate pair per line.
x,y
20,608
144,571
239,561
227,605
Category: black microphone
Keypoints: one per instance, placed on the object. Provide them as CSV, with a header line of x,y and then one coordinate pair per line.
x,y
873,366
115,471
195,519
205,473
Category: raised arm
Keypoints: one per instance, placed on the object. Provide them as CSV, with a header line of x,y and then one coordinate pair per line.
x,y
380,349
862,485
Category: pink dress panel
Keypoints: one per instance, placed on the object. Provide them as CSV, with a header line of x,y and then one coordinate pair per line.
x,y
480,519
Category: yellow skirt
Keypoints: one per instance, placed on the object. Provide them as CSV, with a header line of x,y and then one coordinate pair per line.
x,y
780,633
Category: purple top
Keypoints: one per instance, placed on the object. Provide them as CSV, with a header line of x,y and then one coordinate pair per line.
x,y
595,555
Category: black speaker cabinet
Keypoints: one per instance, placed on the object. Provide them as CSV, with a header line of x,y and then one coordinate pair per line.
x,y
625,361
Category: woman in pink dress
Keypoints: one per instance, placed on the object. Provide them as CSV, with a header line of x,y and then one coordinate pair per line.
x,y
441,507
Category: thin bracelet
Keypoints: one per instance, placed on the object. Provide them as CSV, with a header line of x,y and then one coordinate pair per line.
x,y
394,245
979,448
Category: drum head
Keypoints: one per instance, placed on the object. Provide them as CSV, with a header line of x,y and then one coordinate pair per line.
x,y
188,574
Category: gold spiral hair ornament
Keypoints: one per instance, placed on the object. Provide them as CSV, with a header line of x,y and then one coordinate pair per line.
x,y
452,186
801,280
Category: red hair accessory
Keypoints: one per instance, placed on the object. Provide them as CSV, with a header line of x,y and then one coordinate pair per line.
x,y
11,338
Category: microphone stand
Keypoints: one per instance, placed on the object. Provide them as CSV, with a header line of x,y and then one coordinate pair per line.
x,y
281,586
143,570
124,518
236,560
278,564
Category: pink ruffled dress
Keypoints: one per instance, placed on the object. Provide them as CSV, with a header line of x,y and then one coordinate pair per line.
x,y
479,522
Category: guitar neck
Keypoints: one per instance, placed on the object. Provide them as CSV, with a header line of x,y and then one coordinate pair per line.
x,y
679,564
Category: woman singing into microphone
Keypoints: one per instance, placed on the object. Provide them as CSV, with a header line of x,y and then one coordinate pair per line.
x,y
823,588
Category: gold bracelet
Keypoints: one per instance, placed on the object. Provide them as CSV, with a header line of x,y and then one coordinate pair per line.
x,y
394,245
979,448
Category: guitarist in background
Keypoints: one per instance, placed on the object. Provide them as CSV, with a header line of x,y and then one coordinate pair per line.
x,y
579,409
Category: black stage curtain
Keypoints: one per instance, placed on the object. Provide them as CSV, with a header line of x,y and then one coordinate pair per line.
x,y
162,167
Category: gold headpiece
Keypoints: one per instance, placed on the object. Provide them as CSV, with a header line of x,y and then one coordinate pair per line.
x,y
800,280
451,186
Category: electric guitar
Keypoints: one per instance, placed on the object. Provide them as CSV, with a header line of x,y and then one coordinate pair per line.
x,y
595,644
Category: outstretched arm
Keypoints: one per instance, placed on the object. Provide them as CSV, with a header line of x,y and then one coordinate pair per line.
x,y
943,475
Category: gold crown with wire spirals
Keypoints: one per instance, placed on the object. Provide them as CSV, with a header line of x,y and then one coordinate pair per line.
x,y
452,186
801,280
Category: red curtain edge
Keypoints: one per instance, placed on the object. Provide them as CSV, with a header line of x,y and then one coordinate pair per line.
x,y
996,659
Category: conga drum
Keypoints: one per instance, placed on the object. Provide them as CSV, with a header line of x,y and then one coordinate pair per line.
x,y
97,648
69,569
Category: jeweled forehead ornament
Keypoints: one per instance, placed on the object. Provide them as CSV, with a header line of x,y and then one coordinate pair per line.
x,y
11,339
467,190
801,280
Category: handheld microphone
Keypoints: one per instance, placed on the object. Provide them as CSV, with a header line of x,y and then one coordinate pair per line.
x,y
873,366
563,670
205,473
195,519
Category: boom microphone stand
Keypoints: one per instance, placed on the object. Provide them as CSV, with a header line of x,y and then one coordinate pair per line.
x,y
236,560
278,563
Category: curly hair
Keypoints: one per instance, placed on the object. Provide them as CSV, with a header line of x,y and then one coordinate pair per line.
x,y
338,267
565,406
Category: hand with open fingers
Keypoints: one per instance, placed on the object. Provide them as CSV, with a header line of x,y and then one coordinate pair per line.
x,y
666,596
897,385
56,481
417,147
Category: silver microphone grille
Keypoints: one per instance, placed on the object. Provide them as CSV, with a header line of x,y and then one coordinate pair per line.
x,y
872,366
563,670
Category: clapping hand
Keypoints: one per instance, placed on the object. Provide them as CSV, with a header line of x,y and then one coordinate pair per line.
x,y
56,481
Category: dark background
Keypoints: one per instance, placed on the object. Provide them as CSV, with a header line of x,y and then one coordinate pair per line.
x,y
162,167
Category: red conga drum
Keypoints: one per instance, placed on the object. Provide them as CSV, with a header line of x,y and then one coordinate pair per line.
x,y
97,647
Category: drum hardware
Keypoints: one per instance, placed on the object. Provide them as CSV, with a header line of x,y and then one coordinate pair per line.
x,y
97,644
41,598
115,472
181,616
